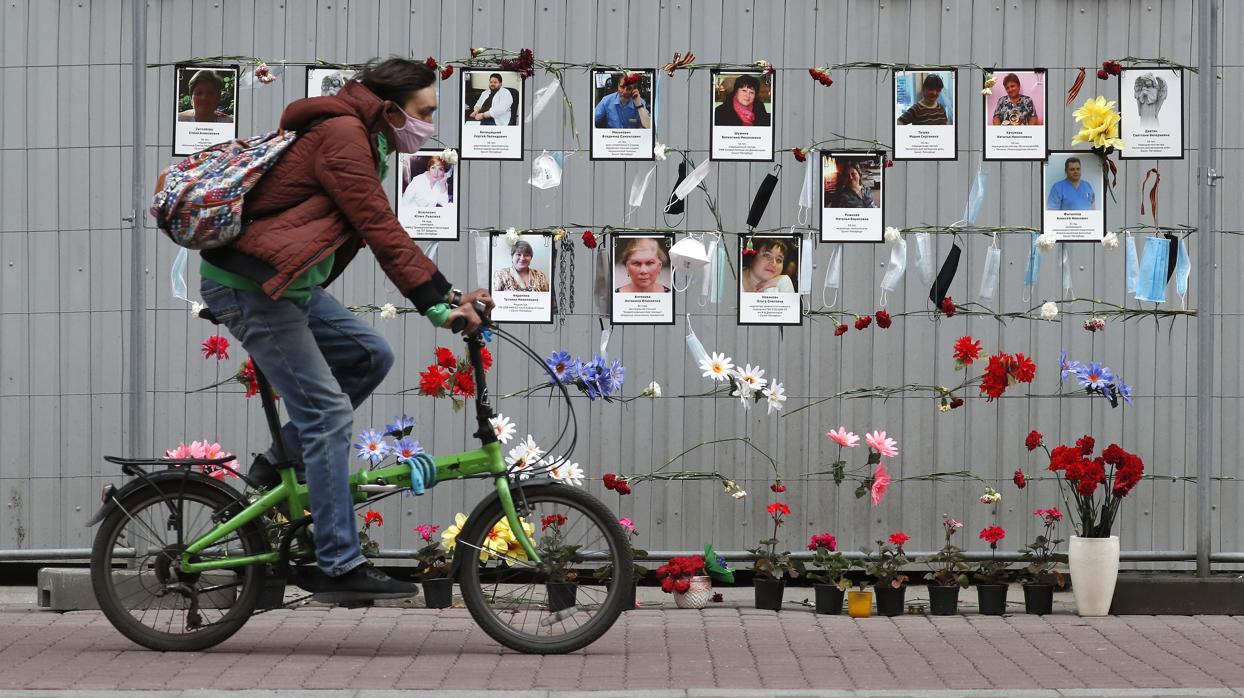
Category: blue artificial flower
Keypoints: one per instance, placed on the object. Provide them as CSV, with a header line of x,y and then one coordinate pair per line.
x,y
1068,368
562,366
372,446
1124,390
400,427
1094,376
407,448
617,374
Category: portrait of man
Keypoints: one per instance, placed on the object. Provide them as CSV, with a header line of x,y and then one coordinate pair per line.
x,y
494,106
1072,192
622,114
492,115
624,106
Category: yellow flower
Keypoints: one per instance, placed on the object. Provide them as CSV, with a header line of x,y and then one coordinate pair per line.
x,y
500,541
1099,124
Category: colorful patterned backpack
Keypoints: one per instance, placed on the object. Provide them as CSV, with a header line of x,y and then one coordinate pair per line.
x,y
198,201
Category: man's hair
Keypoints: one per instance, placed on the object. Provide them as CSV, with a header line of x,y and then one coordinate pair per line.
x,y
497,76
1069,161
932,81
617,79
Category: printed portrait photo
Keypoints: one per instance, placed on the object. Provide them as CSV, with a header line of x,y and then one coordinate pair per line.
x,y
769,280
642,292
326,82
521,278
427,195
925,115
492,115
206,107
743,106
1015,127
622,114
852,183
1074,197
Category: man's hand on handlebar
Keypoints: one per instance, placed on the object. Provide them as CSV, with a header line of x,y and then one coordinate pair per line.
x,y
465,318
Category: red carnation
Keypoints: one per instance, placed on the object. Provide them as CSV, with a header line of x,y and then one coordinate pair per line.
x,y
216,346
1113,67
431,63
682,586
948,306
1103,75
464,384
966,350
1033,440
749,252
841,329
611,480
862,321
446,72
800,154
632,79
956,403
889,163
446,358
373,517
623,488
589,240
433,380
778,486
1063,456
992,535
883,319
1021,480
1086,444
899,538
1023,368
485,357
995,381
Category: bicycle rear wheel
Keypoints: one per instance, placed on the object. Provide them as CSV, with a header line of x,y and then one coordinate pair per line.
x,y
528,608
136,569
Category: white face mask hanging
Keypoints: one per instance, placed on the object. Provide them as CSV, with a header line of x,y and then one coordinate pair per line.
x,y
894,269
698,353
178,274
546,171
989,275
805,265
924,258
687,256
833,277
807,196
483,243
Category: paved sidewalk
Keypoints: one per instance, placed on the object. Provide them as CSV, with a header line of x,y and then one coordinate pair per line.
x,y
724,650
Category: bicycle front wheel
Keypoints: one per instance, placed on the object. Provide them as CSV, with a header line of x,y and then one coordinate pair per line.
x,y
569,600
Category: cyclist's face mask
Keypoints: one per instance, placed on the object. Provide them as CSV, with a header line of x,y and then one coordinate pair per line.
x,y
413,133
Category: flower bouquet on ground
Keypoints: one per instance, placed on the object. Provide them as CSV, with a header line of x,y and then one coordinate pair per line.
x,y
685,577
1040,575
830,579
771,566
884,565
991,575
948,571
435,564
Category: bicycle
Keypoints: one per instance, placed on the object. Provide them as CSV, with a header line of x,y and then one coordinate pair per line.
x,y
182,558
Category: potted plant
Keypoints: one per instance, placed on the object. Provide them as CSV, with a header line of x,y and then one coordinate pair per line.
x,y
991,575
949,572
1093,555
369,547
638,571
1040,575
685,578
556,556
884,565
435,564
831,581
771,566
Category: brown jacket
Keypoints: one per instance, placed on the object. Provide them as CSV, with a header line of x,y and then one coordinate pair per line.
x,y
322,196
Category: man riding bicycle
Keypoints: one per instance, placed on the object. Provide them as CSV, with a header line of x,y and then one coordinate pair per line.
x,y
305,220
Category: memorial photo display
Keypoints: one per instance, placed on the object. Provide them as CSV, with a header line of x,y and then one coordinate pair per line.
x,y
640,279
427,195
852,183
205,108
741,115
622,126
769,280
1015,111
1151,111
492,115
925,114
521,274
1073,190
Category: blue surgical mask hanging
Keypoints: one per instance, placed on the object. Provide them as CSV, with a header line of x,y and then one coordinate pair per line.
x,y
698,352
976,197
894,269
1131,265
1068,291
1151,285
1033,270
178,275
989,275
1183,269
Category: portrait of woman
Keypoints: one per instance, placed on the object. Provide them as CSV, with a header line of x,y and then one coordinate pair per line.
x,y
645,261
520,276
847,188
206,89
770,269
742,104
1016,108
430,188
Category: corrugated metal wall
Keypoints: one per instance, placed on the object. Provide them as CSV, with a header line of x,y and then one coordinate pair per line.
x,y
64,156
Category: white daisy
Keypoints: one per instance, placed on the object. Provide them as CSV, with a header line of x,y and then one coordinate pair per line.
x,y
717,366
745,395
533,451
739,495
776,395
388,311
503,428
569,473
751,376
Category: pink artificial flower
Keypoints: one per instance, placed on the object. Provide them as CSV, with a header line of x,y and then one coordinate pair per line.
x,y
212,452
426,531
879,442
881,482
842,437
627,524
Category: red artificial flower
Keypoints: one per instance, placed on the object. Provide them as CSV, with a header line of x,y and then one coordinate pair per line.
x,y
899,538
992,535
966,350
1112,67
778,507
682,586
948,306
749,252
841,329
883,319
1103,75
800,154
1114,455
372,517
778,486
1086,444
1021,480
995,379
553,520
217,346
246,375
446,358
823,540
430,62
862,321
589,240
632,79
485,357
1086,474
622,488
611,480
1023,368
1034,440
446,72
889,163
667,585
464,384
1128,475
1063,456
433,380
956,403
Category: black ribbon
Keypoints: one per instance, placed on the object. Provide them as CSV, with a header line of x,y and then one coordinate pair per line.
x,y
1172,257
941,286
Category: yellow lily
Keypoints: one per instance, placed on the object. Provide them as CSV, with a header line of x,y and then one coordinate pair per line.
x,y
1099,124
500,541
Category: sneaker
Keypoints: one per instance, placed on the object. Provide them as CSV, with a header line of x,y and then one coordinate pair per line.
x,y
363,583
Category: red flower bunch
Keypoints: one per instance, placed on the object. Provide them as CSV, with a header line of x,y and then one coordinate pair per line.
x,y
431,63
372,517
1086,444
862,321
524,63
1111,68
246,376
801,155
841,329
632,79
966,351
451,376
1116,468
217,346
777,510
778,486
992,535
555,520
676,574
883,319
446,72
821,76
1033,440
1049,515
1004,370
1102,74
823,540
1128,469
899,539
617,484
948,306
589,240
889,163
1021,479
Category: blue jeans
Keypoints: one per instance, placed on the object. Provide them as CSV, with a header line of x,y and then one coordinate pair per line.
x,y
323,362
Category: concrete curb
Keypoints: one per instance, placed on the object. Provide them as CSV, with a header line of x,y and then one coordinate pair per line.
x,y
663,693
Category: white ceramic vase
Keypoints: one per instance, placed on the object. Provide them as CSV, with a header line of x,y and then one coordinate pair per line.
x,y
1094,564
698,595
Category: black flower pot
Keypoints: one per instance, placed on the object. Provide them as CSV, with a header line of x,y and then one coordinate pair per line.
x,y
769,593
438,593
1038,598
828,599
943,600
992,598
561,595
890,600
